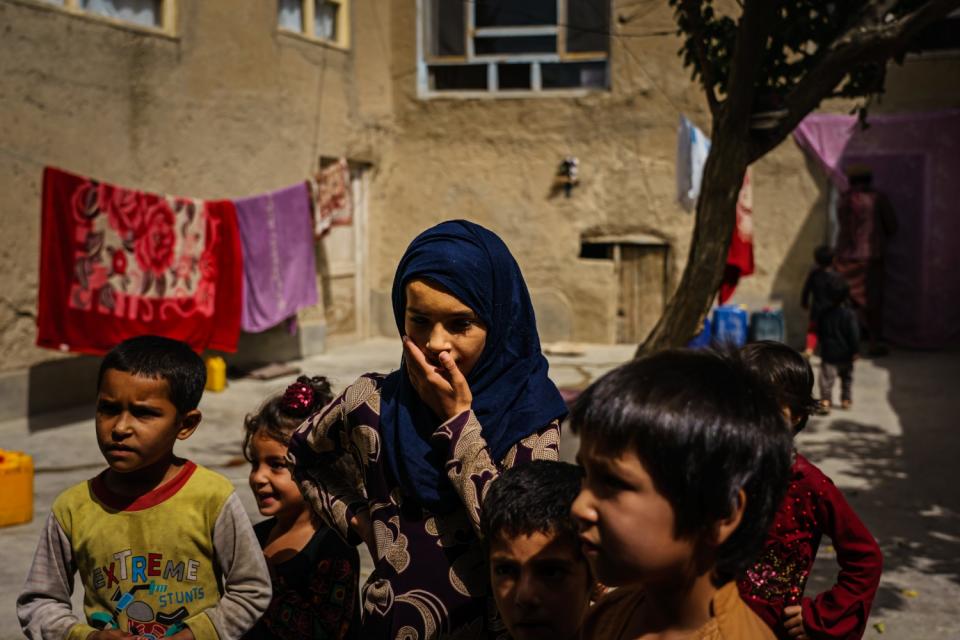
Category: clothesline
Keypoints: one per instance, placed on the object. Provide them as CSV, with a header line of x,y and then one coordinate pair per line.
x,y
45,163
118,262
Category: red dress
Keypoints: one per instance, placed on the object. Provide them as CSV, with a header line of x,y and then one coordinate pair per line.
x,y
814,507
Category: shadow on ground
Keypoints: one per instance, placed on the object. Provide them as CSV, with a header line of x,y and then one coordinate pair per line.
x,y
907,496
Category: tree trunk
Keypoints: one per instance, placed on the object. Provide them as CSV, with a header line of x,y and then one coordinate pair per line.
x,y
733,147
713,230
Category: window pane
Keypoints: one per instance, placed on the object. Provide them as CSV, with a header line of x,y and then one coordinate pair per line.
x,y
596,251
290,14
325,20
514,13
588,23
573,75
521,44
447,28
461,76
144,12
513,76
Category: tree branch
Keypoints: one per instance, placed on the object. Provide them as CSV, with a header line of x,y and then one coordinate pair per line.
x,y
867,41
753,31
690,9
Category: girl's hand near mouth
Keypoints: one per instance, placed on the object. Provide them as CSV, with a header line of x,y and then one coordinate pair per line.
x,y
442,388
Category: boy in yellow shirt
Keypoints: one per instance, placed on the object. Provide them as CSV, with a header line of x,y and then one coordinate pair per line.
x,y
162,545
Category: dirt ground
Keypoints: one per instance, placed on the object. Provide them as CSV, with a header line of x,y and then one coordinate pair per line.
x,y
893,454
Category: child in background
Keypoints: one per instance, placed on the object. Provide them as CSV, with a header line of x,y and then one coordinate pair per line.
x,y
814,296
773,586
839,336
162,545
315,573
686,459
541,581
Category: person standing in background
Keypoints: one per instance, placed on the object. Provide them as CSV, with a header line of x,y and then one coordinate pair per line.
x,y
866,221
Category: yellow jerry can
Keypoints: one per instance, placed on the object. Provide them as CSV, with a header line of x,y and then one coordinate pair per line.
x,y
216,374
16,478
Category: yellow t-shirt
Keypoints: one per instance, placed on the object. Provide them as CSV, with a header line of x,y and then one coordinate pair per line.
x,y
148,565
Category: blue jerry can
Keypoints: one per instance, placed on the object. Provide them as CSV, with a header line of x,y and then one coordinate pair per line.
x,y
730,325
767,324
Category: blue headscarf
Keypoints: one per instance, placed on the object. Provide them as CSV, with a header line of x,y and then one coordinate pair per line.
x,y
512,395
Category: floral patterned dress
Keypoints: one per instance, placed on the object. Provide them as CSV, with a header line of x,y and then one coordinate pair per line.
x,y
430,577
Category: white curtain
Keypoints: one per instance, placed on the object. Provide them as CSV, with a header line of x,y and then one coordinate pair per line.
x,y
290,15
325,22
145,12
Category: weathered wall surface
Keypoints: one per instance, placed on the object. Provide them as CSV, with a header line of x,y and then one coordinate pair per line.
x,y
231,107
927,82
228,107
493,160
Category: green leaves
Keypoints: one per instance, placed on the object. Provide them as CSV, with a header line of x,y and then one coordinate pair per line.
x,y
804,30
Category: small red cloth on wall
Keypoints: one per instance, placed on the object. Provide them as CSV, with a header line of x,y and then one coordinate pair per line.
x,y
740,254
117,263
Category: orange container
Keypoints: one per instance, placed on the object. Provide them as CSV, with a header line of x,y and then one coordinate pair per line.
x,y
16,478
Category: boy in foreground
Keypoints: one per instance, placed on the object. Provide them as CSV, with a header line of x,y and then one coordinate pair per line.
x,y
154,536
686,459
540,579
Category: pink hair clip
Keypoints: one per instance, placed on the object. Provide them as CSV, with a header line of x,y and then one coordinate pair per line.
x,y
298,399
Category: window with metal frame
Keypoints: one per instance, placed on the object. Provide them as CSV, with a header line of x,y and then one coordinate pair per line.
x,y
510,46
324,20
153,14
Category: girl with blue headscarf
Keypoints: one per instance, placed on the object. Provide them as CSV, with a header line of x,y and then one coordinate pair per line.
x,y
402,461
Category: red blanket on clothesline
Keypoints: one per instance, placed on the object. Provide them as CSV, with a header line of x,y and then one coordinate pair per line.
x,y
117,263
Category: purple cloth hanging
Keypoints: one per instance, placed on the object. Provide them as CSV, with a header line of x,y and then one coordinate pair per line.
x,y
279,271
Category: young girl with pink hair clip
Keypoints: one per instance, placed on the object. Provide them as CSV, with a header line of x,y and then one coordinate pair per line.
x,y
314,572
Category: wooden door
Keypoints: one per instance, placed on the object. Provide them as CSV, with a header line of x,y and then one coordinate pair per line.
x,y
642,275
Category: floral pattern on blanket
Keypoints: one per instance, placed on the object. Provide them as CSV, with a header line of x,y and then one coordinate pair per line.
x,y
131,247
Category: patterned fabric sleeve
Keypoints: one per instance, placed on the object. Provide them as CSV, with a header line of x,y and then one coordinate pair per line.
x,y
470,466
842,611
329,456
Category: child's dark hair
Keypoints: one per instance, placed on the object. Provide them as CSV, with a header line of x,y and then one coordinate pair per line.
x,y
823,256
531,498
788,372
279,416
160,358
704,426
